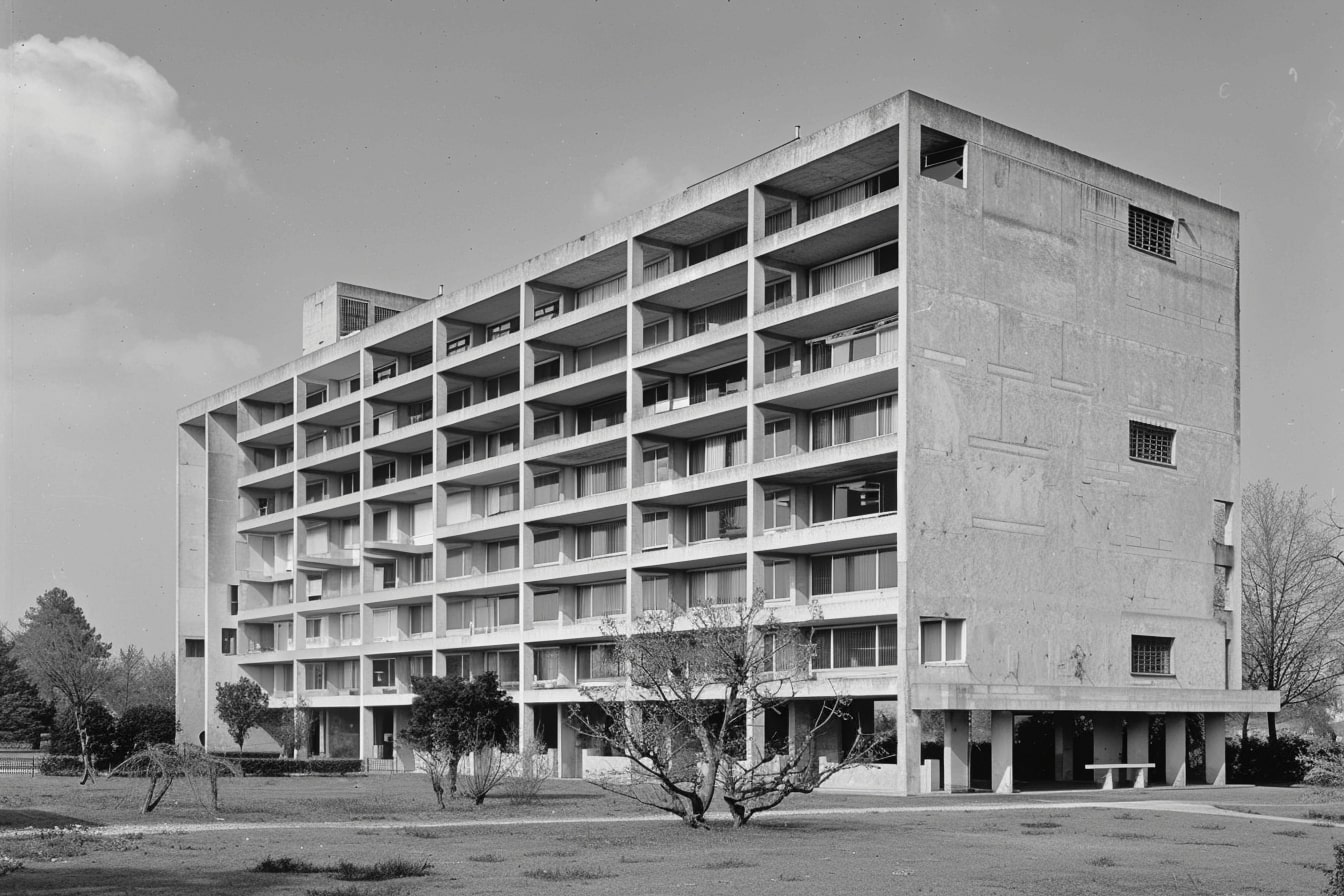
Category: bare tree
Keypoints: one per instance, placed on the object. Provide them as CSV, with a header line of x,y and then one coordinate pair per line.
x,y
697,680
137,680
1292,598
162,764
66,658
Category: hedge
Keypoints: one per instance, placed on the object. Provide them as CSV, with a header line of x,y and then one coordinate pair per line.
x,y
63,766
273,767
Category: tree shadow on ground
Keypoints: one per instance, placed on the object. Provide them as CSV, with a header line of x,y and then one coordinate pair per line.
x,y
37,818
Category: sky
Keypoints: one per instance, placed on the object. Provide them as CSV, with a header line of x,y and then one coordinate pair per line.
x,y
179,175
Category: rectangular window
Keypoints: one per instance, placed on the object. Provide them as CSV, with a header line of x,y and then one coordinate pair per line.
x,y
596,661
354,315
727,242
708,587
546,369
458,344
457,665
349,628
420,411
854,344
717,315
856,192
602,414
1150,443
384,472
315,491
657,332
420,620
601,353
719,382
861,496
381,314
846,573
228,641
778,293
854,422
384,576
1150,656
546,310
502,498
384,422
457,615
385,625
233,600
942,641
1150,232
314,676
421,359
501,329
384,372
604,599
545,605
422,463
599,291
718,452
545,488
457,563
503,442
193,648
656,531
422,569
546,663
778,583
724,519
382,673
601,477
422,665
778,364
657,464
350,482
504,384
546,547
657,397
600,539
457,454
504,663
655,592
544,428
501,555
778,439
854,647
778,509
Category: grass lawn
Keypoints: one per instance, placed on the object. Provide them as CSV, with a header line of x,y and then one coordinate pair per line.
x,y
1025,844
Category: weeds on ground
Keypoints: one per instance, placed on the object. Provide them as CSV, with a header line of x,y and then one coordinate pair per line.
x,y
1102,862
1041,824
7,865
1290,833
723,864
1325,816
287,865
387,870
334,891
421,833
790,877
1130,835
485,857
64,843
554,875
556,853
1209,827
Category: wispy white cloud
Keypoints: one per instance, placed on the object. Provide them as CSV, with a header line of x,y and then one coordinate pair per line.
x,y
632,185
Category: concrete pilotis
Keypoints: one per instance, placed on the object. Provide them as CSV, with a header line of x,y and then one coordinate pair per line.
x,y
1215,748
1001,750
1175,746
1106,742
956,750
1136,746
571,756
1063,746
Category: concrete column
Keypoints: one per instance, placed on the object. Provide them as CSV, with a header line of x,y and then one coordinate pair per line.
x,y
1176,757
1106,742
755,746
1001,750
909,744
956,750
1063,746
571,756
1215,748
1136,746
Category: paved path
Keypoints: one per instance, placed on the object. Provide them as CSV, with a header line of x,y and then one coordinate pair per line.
x,y
1194,808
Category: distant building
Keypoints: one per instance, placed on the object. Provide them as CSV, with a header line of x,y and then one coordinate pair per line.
x,y
972,396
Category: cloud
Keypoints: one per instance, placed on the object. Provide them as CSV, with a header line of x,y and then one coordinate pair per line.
x,y
630,186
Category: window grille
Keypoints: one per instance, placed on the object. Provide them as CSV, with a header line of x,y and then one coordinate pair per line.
x,y
354,315
381,314
1149,232
1150,656
1150,443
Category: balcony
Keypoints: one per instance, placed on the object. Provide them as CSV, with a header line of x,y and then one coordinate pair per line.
x,y
335,557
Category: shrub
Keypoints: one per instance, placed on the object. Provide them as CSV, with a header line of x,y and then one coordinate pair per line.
x,y
287,865
7,865
1257,761
61,766
562,874
1335,885
388,870
271,767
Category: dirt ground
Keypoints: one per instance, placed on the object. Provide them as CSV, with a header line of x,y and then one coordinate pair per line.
x,y
1191,842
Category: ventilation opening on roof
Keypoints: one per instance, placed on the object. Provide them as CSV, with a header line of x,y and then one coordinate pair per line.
x,y
942,157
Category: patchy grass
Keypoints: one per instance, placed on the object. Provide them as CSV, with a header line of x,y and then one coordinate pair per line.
x,y
485,857
1102,862
288,865
1325,816
1044,825
1209,827
557,875
389,869
421,833
1293,833
723,864
63,843
1130,835
335,891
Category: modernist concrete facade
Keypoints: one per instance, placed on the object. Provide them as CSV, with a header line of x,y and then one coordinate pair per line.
x,y
971,396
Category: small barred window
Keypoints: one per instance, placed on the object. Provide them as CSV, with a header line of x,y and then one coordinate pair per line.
x,y
354,315
1150,443
1150,656
381,314
1149,232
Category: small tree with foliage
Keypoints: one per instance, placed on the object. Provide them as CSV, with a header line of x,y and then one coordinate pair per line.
x,y
146,724
65,658
697,680
241,705
452,717
288,726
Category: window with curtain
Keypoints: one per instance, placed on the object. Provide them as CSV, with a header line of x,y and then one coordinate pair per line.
x,y
778,579
604,476
457,665
501,555
718,452
860,571
502,442
601,599
501,498
420,620
855,647
602,414
600,539
942,641
457,563
457,454
854,344
657,332
854,268
854,422
599,291
708,587
504,663
545,547
657,463
778,364
546,488
656,531
778,439
545,605
457,615
860,496
422,664
718,382
601,353
544,428
718,314
597,661
546,663
655,592
777,511
724,519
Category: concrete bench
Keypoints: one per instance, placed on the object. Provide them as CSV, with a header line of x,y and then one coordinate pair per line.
x,y
1140,780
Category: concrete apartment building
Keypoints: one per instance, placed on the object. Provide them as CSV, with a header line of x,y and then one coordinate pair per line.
x,y
968,395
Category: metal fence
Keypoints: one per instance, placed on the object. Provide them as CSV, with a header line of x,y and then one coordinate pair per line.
x,y
24,766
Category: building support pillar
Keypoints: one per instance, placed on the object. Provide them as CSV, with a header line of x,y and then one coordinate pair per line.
x,y
956,750
1215,748
571,756
1136,746
1175,747
1001,750
1106,743
1063,746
